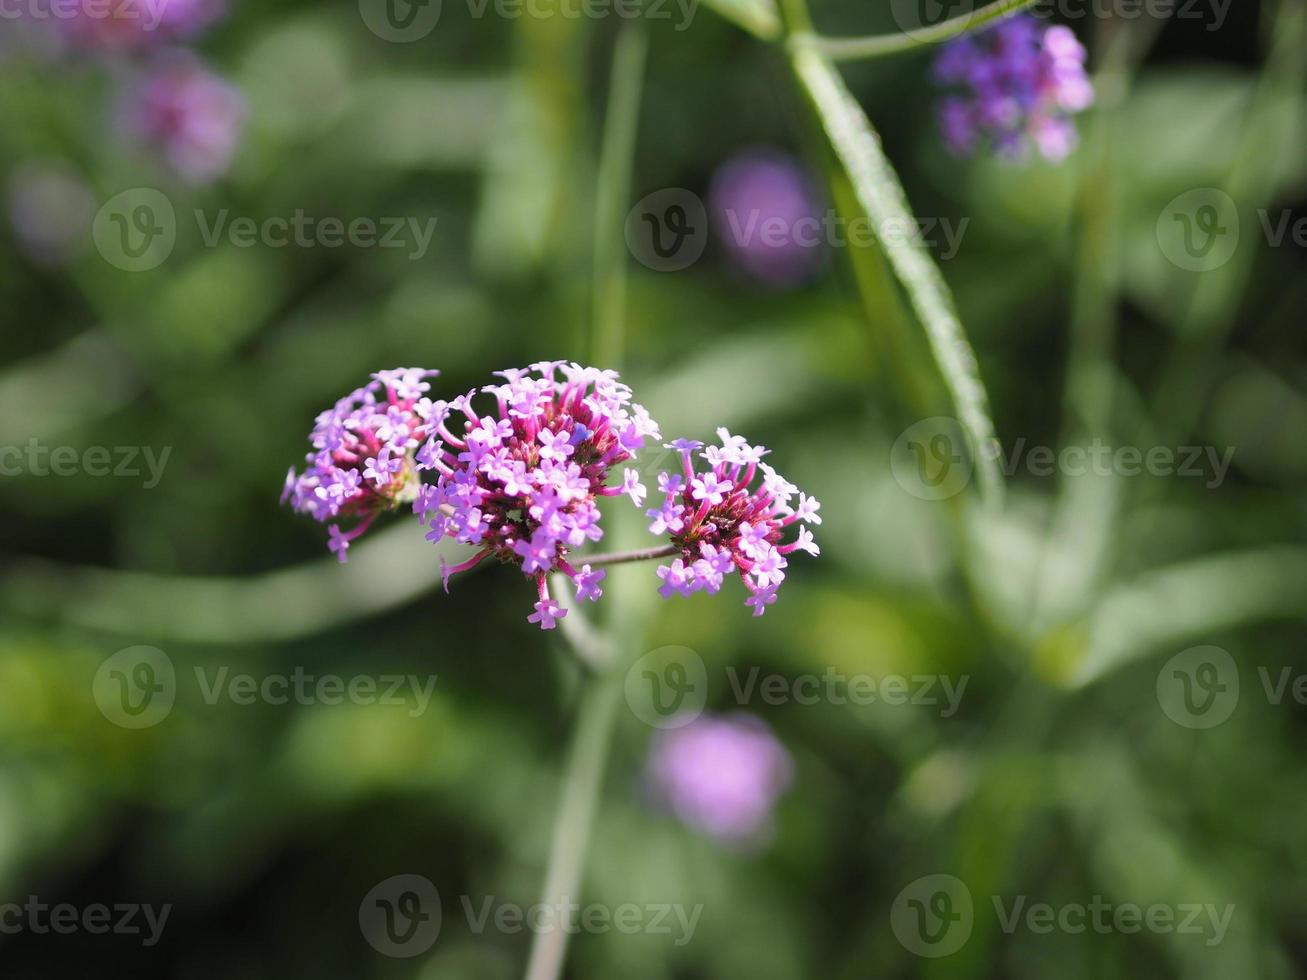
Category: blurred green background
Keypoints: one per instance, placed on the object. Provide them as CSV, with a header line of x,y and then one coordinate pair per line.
x,y
1061,777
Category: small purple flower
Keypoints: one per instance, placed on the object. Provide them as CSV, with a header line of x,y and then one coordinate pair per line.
x,y
1019,85
363,458
721,776
522,485
765,214
188,113
720,523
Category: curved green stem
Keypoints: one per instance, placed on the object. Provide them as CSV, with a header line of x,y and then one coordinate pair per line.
x,y
880,45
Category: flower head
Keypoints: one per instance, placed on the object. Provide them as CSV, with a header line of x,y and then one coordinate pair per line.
x,y
188,113
721,776
765,213
1020,83
721,523
522,481
363,460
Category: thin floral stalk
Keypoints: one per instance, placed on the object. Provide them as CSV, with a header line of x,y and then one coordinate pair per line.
x,y
639,554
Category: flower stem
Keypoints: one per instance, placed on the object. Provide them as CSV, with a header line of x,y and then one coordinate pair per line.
x,y
621,121
640,554
880,45
587,757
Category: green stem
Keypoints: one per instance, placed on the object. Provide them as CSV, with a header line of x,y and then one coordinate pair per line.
x,y
587,757
858,147
880,45
612,196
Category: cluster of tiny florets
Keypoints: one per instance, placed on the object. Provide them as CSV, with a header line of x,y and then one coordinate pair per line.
x,y
364,453
1021,82
521,482
722,524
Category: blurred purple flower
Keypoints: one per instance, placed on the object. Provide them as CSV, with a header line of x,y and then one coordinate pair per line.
x,y
120,25
1020,84
721,775
50,207
193,116
766,215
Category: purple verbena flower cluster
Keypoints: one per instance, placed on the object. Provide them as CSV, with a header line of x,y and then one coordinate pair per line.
x,y
364,453
766,215
516,470
722,525
721,775
521,483
1021,82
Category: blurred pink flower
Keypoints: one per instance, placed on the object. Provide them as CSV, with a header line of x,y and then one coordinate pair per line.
x,y
721,775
